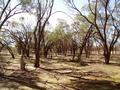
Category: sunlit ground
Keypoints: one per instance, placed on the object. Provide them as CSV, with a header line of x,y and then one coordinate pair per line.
x,y
60,73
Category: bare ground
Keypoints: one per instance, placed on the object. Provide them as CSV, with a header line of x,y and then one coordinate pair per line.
x,y
60,73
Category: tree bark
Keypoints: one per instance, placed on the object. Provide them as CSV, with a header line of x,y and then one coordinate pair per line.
x,y
22,61
80,55
37,58
73,54
11,52
28,52
46,49
45,53
107,55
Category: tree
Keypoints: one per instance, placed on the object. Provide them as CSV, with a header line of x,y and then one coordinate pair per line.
x,y
22,36
62,37
43,10
8,10
82,34
48,42
5,44
104,22
83,30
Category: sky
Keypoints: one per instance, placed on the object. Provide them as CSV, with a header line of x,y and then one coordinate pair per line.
x,y
59,5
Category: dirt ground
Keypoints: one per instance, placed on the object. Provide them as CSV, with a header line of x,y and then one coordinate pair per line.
x,y
60,73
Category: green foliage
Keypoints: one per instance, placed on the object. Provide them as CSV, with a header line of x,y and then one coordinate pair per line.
x,y
59,33
83,24
56,35
25,2
91,17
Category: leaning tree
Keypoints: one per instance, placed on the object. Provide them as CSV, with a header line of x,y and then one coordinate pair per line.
x,y
105,20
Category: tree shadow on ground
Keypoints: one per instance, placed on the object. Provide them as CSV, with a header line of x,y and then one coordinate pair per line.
x,y
93,61
114,64
62,70
24,78
80,82
87,84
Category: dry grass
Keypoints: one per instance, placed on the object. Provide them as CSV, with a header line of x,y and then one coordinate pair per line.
x,y
60,73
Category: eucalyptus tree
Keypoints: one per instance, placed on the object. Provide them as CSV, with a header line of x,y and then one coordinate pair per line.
x,y
49,42
8,9
82,34
42,10
63,37
43,13
104,14
21,34
58,36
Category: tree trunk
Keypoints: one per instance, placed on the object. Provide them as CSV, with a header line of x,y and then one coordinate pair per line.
x,y
2,47
87,51
28,53
73,49
88,54
45,51
107,57
73,55
19,49
37,58
11,52
22,61
80,55
51,53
